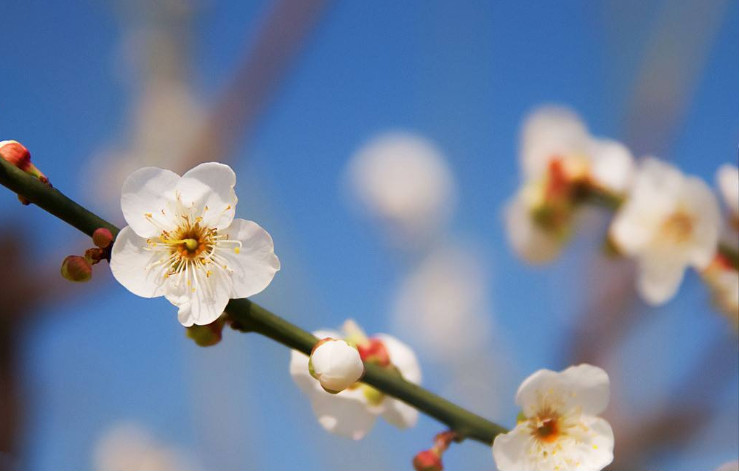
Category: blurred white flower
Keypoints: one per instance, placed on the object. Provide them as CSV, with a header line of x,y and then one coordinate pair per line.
x,y
404,181
554,134
352,412
560,160
668,222
130,447
443,306
335,364
560,428
182,242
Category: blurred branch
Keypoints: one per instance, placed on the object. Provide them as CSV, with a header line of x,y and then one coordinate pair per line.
x,y
260,72
252,317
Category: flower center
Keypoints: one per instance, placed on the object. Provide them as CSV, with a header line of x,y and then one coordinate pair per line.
x,y
677,228
545,427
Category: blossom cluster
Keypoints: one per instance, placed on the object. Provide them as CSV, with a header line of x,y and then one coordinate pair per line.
x,y
665,220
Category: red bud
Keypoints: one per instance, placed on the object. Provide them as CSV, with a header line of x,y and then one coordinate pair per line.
x,y
427,460
374,351
102,237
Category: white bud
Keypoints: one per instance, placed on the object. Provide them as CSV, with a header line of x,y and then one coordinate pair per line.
x,y
336,365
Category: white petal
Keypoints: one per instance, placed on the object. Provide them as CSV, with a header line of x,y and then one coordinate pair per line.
x,y
210,185
551,132
145,193
344,414
703,207
530,242
583,386
655,195
403,357
255,264
728,182
200,299
511,450
588,388
398,413
594,449
129,260
613,165
660,278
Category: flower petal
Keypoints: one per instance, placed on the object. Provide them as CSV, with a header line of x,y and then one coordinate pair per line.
x,y
588,388
129,260
201,299
344,414
403,357
398,413
551,132
704,208
511,450
613,165
594,448
254,265
728,182
209,190
659,278
584,386
144,196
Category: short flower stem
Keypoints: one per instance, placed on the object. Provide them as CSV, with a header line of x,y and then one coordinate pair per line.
x,y
251,317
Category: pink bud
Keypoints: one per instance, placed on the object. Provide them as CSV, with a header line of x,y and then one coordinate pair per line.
x,y
427,460
374,351
76,268
17,154
102,237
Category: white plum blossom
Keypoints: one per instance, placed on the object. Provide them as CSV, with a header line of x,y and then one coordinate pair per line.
x,y
352,412
559,158
559,427
335,364
182,242
669,222
402,180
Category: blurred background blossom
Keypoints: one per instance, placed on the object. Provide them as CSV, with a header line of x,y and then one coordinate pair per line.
x,y
378,144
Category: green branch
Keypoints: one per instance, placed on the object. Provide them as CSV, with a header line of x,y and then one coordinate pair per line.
x,y
252,317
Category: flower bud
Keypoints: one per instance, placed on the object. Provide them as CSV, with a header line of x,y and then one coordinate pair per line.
x,y
374,351
335,364
427,460
207,335
17,154
102,237
76,268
